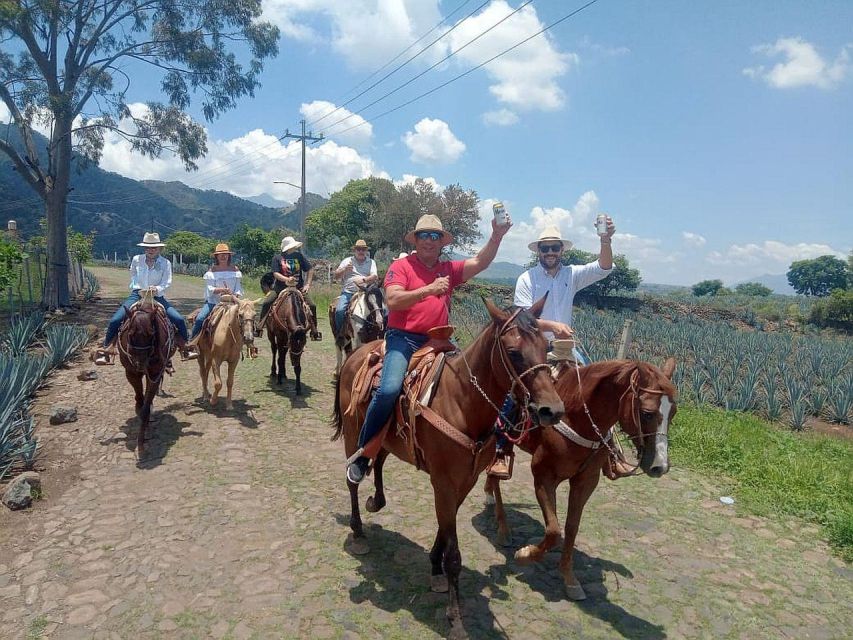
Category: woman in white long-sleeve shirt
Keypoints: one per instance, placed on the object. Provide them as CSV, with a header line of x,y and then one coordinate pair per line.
x,y
222,278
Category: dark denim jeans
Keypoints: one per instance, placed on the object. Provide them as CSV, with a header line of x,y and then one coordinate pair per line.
x,y
341,309
120,314
399,347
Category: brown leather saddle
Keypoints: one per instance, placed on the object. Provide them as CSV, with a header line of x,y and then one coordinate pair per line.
x,y
212,320
282,296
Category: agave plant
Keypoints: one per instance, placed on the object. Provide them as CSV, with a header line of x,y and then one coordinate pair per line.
x,y
799,413
840,403
92,285
21,332
63,340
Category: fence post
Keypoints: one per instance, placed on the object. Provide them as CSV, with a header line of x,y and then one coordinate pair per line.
x,y
625,341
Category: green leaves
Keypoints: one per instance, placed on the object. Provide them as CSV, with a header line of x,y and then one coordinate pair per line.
x,y
818,277
192,246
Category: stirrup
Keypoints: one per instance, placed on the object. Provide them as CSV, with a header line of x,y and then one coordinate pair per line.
x,y
501,467
102,357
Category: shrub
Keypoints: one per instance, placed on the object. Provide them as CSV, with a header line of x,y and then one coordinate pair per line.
x,y
835,311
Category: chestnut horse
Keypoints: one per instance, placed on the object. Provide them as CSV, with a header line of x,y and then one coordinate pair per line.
x,y
364,320
235,328
146,341
509,354
287,326
640,397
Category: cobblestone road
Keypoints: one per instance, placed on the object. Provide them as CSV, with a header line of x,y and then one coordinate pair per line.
x,y
235,528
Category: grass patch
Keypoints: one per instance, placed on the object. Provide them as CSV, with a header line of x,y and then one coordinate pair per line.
x,y
37,627
775,472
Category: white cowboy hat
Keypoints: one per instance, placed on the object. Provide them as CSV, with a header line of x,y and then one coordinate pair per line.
x,y
429,223
151,240
402,255
550,233
288,243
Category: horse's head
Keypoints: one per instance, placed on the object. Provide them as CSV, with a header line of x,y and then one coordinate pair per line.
x,y
246,311
522,355
141,333
296,321
646,409
375,312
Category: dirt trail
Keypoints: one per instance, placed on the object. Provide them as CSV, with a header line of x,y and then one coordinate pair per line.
x,y
234,527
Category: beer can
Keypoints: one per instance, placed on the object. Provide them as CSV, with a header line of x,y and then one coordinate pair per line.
x,y
601,224
501,215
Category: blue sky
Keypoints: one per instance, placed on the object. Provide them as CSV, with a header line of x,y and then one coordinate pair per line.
x,y
717,134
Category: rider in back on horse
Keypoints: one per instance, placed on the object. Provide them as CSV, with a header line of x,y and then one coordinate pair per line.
x,y
418,290
357,270
561,283
223,278
291,266
148,270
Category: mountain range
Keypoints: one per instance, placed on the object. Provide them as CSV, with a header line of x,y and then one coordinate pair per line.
x,y
120,209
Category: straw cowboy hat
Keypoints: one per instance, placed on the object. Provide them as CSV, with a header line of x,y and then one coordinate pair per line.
x,y
429,223
360,244
288,243
151,240
549,234
222,248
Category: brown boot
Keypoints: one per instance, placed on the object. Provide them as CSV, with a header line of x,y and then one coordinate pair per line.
x,y
501,467
616,468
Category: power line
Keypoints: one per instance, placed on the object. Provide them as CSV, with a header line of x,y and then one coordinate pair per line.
x,y
469,71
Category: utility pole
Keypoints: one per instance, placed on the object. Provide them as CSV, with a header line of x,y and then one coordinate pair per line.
x,y
302,205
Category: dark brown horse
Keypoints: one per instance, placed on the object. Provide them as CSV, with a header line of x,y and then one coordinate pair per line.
x,y
640,397
146,341
508,354
287,327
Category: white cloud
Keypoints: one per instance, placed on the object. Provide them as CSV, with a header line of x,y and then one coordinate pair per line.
x,y
4,113
693,239
803,66
525,78
433,142
409,178
354,129
770,254
500,117
367,33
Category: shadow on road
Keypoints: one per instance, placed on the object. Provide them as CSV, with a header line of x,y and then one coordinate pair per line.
x,y
395,577
288,390
545,578
164,430
242,411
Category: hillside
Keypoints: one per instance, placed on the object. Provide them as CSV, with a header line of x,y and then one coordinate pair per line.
x,y
777,282
120,209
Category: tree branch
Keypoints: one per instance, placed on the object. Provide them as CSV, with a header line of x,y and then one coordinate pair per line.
x,y
24,169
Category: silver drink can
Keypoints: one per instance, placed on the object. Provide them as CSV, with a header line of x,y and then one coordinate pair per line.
x,y
601,224
501,215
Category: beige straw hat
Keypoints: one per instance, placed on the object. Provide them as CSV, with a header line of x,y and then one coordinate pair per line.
x,y
429,223
550,234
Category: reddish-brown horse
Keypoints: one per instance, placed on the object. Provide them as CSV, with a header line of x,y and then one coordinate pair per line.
x,y
508,354
146,341
640,397
287,326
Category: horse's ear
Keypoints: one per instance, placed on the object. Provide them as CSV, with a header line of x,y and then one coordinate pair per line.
x,y
669,367
538,306
498,315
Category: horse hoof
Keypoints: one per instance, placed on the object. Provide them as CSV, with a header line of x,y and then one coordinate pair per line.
x,y
357,546
575,592
525,555
439,584
229,406
374,504
490,500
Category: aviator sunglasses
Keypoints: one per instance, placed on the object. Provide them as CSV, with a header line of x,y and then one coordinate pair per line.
x,y
550,248
435,236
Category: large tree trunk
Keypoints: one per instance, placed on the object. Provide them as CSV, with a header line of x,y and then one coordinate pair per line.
x,y
56,197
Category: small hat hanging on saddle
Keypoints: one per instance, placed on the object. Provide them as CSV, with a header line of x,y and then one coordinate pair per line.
x,y
550,234
151,239
222,248
429,223
289,243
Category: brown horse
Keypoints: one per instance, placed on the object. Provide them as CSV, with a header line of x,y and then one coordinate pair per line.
x,y
640,397
509,354
287,326
146,341
234,328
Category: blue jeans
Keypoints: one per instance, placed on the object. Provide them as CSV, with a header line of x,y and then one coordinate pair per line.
x,y
399,347
206,308
341,309
119,316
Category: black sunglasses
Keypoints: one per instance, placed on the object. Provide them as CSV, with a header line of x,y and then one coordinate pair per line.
x,y
551,248
435,236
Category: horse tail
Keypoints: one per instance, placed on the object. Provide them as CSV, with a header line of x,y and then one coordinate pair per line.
x,y
337,421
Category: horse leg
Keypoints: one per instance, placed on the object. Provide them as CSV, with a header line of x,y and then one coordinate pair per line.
x,y
493,490
446,507
145,415
230,383
296,361
135,381
217,380
377,500
273,353
282,358
580,491
339,355
546,494
204,371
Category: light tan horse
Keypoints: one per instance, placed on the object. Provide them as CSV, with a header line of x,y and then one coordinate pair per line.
x,y
232,328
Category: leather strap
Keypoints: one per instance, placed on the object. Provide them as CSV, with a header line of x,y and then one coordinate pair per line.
x,y
570,434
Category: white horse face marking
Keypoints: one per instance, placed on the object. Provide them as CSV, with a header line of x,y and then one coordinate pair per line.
x,y
661,460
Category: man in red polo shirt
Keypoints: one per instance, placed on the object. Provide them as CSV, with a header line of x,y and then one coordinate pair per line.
x,y
417,290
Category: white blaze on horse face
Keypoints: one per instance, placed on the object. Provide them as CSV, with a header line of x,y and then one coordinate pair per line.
x,y
661,438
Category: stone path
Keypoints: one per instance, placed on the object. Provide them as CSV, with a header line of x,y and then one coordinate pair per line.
x,y
235,525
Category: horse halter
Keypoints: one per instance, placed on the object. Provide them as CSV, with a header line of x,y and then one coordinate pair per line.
x,y
634,388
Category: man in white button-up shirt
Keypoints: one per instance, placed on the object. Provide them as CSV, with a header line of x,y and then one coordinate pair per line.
x,y
149,270
561,283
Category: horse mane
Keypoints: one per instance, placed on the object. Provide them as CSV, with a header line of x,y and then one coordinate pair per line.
x,y
299,318
620,371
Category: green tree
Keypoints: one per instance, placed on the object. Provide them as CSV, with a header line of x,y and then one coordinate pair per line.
x,y
818,277
753,289
10,258
347,216
80,245
68,66
257,246
623,277
192,246
708,288
836,310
